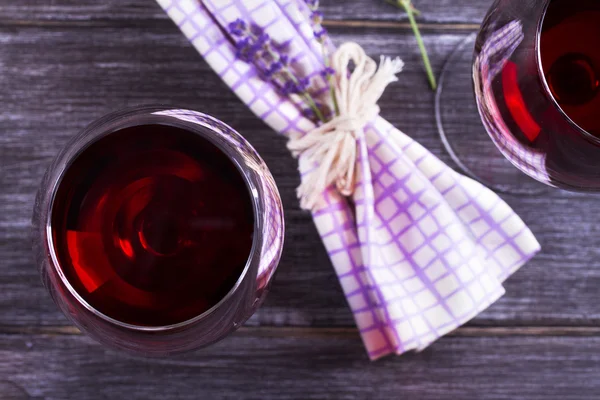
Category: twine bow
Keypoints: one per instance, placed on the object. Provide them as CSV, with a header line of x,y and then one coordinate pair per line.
x,y
332,146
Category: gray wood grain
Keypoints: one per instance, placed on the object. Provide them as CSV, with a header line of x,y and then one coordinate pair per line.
x,y
64,63
441,11
56,79
259,364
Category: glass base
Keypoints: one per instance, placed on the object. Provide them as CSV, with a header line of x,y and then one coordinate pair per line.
x,y
462,131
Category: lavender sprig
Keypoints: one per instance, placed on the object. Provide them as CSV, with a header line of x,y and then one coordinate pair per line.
x,y
411,11
320,32
255,46
296,86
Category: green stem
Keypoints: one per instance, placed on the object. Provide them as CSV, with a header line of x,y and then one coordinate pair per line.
x,y
394,3
407,6
311,103
330,80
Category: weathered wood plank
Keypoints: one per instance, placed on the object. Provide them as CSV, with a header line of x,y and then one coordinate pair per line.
x,y
442,11
284,331
261,365
56,79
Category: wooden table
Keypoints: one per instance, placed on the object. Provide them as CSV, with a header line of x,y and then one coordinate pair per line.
x,y
64,63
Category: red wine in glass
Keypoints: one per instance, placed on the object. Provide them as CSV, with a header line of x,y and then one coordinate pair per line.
x,y
152,225
570,58
537,76
158,231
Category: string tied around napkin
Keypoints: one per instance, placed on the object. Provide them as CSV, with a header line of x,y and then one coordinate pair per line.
x,y
332,146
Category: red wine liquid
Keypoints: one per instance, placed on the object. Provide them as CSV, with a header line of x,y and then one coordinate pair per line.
x,y
152,225
570,57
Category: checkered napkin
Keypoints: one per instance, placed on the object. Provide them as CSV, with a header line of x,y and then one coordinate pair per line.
x,y
422,249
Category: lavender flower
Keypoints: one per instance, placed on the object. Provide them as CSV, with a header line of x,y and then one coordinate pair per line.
x,y
245,42
238,27
327,72
274,68
282,48
302,84
246,50
316,17
289,87
249,47
320,33
308,113
312,4
255,46
256,30
262,39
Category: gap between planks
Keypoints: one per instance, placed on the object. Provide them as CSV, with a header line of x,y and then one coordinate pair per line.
x,y
51,23
425,26
272,331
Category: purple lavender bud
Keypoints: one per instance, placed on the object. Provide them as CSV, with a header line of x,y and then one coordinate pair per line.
x,y
284,60
237,27
243,55
255,49
263,39
243,43
236,32
274,68
302,85
256,30
239,54
246,50
289,88
316,17
312,4
327,72
309,113
241,23
281,48
320,34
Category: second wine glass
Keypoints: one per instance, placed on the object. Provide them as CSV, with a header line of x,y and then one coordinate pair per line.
x,y
536,76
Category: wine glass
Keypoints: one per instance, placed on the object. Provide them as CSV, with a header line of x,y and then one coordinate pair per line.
x,y
536,77
158,230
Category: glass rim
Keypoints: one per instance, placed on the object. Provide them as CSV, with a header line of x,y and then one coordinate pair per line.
x,y
143,115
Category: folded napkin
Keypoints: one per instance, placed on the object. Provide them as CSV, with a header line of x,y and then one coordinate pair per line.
x,y
418,248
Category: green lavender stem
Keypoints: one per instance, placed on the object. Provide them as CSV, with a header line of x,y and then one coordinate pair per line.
x,y
414,10
330,80
410,12
308,98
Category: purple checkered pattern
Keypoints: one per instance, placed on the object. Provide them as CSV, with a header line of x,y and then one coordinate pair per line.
x,y
425,249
